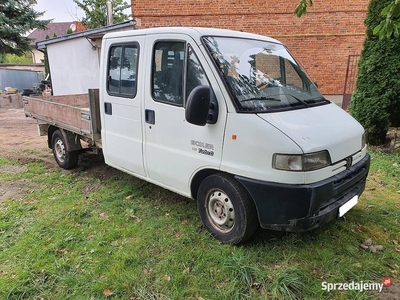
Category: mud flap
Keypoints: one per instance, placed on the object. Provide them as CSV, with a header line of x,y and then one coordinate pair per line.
x,y
72,140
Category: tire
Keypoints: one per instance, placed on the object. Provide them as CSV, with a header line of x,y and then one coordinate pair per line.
x,y
226,209
65,159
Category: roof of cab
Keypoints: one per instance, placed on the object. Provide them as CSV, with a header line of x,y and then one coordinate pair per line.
x,y
195,32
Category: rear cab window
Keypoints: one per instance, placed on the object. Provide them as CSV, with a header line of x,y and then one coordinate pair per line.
x,y
122,70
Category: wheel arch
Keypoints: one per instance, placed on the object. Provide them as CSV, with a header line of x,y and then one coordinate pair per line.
x,y
72,140
50,131
198,178
202,174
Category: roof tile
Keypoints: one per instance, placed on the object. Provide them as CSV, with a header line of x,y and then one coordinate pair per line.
x,y
58,28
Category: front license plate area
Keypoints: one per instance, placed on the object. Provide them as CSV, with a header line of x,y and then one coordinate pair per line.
x,y
347,206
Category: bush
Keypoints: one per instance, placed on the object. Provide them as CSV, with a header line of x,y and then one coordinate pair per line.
x,y
376,100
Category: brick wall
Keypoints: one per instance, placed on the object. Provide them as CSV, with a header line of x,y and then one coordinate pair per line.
x,y
322,40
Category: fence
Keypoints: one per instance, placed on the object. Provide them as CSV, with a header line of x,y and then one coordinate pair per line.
x,y
19,79
350,81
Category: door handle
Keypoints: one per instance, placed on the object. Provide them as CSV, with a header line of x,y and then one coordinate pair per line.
x,y
150,116
107,108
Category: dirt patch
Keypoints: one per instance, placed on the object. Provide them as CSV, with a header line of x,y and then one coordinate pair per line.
x,y
15,190
391,292
19,137
19,141
13,169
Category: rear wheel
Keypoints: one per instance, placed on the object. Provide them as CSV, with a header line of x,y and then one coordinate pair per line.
x,y
226,209
65,159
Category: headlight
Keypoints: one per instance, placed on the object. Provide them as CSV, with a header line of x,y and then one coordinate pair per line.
x,y
303,162
363,141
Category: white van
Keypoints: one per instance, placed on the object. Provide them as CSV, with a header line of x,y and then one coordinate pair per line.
x,y
229,119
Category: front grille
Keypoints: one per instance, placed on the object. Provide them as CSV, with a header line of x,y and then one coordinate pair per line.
x,y
345,182
342,184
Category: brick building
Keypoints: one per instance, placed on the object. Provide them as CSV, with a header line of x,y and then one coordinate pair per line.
x,y
322,40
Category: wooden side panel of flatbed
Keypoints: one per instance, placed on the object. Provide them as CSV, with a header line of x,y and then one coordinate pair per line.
x,y
68,112
77,100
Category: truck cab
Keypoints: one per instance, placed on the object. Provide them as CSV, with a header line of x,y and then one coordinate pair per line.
x,y
231,120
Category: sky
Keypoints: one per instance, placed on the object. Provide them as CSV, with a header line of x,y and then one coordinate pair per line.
x,y
59,10
62,10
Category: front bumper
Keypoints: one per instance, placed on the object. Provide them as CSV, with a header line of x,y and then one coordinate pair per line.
x,y
293,207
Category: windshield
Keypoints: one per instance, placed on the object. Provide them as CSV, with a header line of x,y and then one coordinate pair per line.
x,y
262,76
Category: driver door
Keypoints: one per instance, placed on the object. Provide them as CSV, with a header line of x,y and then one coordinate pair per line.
x,y
175,149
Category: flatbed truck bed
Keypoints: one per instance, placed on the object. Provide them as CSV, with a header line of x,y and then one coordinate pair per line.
x,y
78,114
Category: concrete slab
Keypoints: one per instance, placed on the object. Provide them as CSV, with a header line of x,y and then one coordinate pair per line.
x,y
11,100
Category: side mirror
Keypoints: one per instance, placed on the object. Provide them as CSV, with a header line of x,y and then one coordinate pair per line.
x,y
201,106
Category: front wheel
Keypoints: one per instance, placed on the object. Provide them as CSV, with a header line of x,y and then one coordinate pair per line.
x,y
65,159
226,209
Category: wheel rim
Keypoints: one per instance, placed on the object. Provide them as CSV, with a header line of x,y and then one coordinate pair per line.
x,y
59,150
220,210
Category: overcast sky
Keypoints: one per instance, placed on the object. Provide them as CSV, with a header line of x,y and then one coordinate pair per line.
x,y
59,10
62,10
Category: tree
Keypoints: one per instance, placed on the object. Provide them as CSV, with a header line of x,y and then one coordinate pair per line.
x,y
46,61
388,26
14,59
96,12
17,17
376,100
301,9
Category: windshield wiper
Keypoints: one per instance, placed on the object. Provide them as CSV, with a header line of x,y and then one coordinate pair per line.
x,y
262,98
271,98
298,99
317,99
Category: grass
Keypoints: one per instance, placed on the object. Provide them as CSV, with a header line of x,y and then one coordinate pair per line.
x,y
75,235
